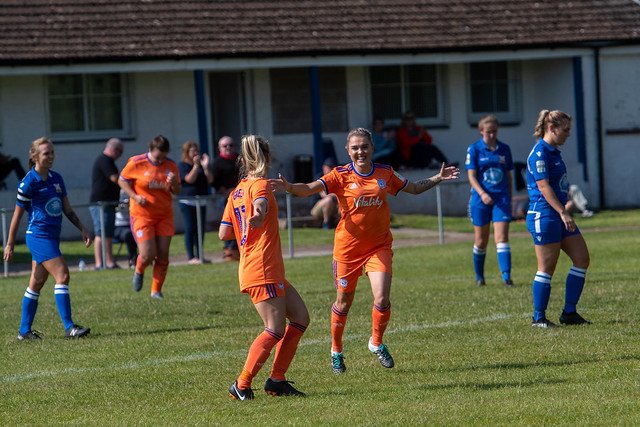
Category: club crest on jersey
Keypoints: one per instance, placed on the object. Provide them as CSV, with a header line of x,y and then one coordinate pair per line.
x,y
238,194
54,207
281,285
503,159
382,183
343,282
57,187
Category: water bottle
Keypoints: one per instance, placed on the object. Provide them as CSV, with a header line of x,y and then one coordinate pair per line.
x,y
82,265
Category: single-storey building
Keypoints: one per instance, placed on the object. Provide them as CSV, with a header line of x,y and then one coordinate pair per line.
x,y
300,72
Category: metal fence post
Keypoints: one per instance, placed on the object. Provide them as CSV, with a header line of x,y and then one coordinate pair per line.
x,y
4,240
103,236
199,229
439,207
289,224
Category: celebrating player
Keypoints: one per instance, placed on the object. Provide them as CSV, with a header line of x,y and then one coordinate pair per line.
x,y
251,216
489,165
150,180
363,235
43,195
550,224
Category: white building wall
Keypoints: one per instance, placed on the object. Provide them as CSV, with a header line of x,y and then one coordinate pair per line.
x,y
620,91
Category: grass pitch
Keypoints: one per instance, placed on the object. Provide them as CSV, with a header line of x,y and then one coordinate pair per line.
x,y
464,355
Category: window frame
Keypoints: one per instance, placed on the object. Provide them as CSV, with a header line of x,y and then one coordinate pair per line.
x,y
514,85
327,127
88,135
441,120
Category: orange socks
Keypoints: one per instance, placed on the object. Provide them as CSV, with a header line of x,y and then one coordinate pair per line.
x,y
379,321
285,350
258,353
159,274
338,320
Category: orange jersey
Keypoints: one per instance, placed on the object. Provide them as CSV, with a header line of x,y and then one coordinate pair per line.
x,y
260,249
365,222
150,180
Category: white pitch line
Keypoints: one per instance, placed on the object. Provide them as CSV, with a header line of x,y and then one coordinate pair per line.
x,y
212,355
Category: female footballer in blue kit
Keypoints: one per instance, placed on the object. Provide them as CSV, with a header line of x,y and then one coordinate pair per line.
x,y
489,165
549,223
43,195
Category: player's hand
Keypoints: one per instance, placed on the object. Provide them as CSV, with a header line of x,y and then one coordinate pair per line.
x,y
8,252
280,184
568,221
86,238
257,220
141,200
449,172
486,199
171,177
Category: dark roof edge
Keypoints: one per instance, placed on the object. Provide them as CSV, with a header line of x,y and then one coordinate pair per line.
x,y
316,53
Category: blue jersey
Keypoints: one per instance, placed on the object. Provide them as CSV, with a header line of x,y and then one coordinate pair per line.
x,y
545,162
43,201
491,167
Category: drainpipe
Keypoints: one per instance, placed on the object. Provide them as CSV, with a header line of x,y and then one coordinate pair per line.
x,y
316,119
600,149
201,110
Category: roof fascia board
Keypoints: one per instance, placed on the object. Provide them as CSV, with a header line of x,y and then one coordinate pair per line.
x,y
286,62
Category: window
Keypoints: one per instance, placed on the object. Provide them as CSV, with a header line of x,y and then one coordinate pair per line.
x,y
88,105
494,89
291,100
419,88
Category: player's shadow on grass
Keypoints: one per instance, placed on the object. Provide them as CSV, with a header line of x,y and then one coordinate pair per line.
x,y
156,331
490,386
549,363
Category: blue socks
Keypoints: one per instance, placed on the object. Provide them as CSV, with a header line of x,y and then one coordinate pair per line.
x,y
63,302
504,259
29,308
478,262
541,290
573,288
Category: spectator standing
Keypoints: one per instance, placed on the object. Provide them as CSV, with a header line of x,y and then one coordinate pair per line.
x,y
195,179
251,215
150,180
489,168
105,189
43,195
550,224
226,173
363,236
415,144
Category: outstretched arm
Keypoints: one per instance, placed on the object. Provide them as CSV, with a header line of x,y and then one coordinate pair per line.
x,y
446,173
299,189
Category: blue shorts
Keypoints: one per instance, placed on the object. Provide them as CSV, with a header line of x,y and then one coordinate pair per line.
x,y
547,227
43,248
109,220
481,214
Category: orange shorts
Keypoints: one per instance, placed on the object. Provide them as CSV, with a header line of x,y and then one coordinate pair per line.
x,y
346,274
146,229
259,293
